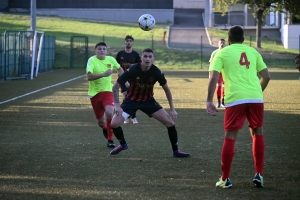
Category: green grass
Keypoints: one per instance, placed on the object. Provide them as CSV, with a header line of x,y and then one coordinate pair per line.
x,y
113,34
52,148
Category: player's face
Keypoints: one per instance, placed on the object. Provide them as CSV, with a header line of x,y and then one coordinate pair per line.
x,y
101,51
147,59
297,61
128,43
221,44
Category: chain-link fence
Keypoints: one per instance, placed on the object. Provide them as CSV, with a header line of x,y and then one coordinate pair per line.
x,y
16,54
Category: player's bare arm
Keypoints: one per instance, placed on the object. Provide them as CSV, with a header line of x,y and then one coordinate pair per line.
x,y
115,89
265,78
170,100
120,71
92,77
210,107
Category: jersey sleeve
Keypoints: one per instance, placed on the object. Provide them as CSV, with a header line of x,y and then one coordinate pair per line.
x,y
161,78
217,63
212,56
116,65
89,66
118,57
124,77
260,64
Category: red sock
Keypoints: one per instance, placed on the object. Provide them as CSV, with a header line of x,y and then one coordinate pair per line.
x,y
109,130
218,90
227,157
258,151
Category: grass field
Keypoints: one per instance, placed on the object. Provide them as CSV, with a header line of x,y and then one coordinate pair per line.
x,y
113,34
51,147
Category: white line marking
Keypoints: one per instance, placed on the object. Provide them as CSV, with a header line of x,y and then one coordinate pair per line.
x,y
41,89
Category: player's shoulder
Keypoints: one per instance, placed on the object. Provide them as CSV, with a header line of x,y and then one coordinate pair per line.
x,y
92,58
156,69
135,52
120,52
134,67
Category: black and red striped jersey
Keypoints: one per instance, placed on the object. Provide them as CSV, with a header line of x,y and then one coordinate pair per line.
x,y
141,82
127,59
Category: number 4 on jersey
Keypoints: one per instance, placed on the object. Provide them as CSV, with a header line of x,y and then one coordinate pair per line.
x,y
244,60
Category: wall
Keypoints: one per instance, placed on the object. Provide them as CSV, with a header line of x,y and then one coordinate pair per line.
x,y
191,4
118,15
290,36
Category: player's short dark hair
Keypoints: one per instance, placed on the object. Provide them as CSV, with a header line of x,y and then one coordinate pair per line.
x,y
236,34
100,44
223,40
129,37
298,56
148,50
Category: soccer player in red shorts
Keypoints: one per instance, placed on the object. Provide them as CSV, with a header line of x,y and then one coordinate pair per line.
x,y
142,78
239,65
99,69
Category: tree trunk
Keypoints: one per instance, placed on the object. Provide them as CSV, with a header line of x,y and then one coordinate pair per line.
x,y
259,16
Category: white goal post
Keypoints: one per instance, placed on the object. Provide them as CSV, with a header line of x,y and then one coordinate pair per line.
x,y
36,56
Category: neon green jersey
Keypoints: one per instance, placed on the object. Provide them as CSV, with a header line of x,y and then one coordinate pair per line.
x,y
239,65
213,55
96,66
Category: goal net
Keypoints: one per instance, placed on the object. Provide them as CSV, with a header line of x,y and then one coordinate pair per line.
x,y
21,54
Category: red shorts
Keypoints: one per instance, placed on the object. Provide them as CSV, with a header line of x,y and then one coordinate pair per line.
x,y
234,116
100,100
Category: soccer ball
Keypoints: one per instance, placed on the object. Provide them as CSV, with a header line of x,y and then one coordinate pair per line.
x,y
146,22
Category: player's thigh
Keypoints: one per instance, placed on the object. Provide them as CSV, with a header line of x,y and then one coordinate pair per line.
x,y
153,109
97,106
163,117
255,115
234,117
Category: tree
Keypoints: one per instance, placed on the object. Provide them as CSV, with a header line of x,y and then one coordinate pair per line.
x,y
261,8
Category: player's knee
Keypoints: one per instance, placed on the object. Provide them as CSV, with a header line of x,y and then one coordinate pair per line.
x,y
109,114
101,123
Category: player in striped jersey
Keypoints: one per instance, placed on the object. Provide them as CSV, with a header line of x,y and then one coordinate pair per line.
x,y
142,78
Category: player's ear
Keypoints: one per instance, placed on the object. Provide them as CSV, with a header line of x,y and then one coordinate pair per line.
x,y
229,41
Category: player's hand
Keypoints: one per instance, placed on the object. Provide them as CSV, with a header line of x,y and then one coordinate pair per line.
x,y
107,73
173,114
211,108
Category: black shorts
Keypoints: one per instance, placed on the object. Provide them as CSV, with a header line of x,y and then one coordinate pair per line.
x,y
148,107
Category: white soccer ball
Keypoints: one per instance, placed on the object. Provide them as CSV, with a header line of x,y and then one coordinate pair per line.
x,y
146,22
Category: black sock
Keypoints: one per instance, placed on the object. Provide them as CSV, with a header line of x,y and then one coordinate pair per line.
x,y
173,137
133,116
118,132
